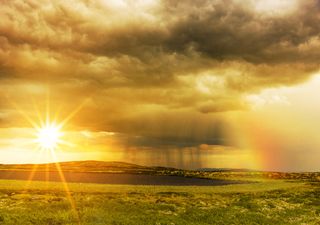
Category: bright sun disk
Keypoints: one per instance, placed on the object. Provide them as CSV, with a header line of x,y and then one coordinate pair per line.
x,y
48,136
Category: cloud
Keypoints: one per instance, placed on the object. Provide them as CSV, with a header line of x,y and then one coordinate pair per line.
x,y
143,63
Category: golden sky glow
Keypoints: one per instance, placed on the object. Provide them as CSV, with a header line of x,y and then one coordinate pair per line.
x,y
171,83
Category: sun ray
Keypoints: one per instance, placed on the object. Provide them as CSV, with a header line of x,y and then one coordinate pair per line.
x,y
74,112
33,170
48,137
36,109
66,187
24,114
47,105
47,174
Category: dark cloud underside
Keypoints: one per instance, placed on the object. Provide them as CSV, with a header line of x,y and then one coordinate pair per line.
x,y
146,63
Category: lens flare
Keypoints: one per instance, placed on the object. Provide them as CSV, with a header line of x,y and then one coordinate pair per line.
x,y
49,136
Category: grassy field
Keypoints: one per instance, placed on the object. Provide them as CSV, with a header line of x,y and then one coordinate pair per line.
x,y
266,202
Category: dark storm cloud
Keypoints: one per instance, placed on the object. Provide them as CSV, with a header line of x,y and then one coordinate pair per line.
x,y
228,30
181,34
136,61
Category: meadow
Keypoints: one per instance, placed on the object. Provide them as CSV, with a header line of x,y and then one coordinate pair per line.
x,y
269,201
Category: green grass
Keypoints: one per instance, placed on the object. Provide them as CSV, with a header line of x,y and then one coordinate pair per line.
x,y
267,202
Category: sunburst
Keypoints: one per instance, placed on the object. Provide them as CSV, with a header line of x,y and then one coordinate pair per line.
x,y
49,136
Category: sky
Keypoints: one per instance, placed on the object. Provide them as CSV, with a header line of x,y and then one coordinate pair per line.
x,y
187,84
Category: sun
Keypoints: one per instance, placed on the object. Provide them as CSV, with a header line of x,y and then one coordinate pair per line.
x,y
49,136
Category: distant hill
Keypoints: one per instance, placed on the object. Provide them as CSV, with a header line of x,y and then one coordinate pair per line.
x,y
107,167
113,167
79,166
